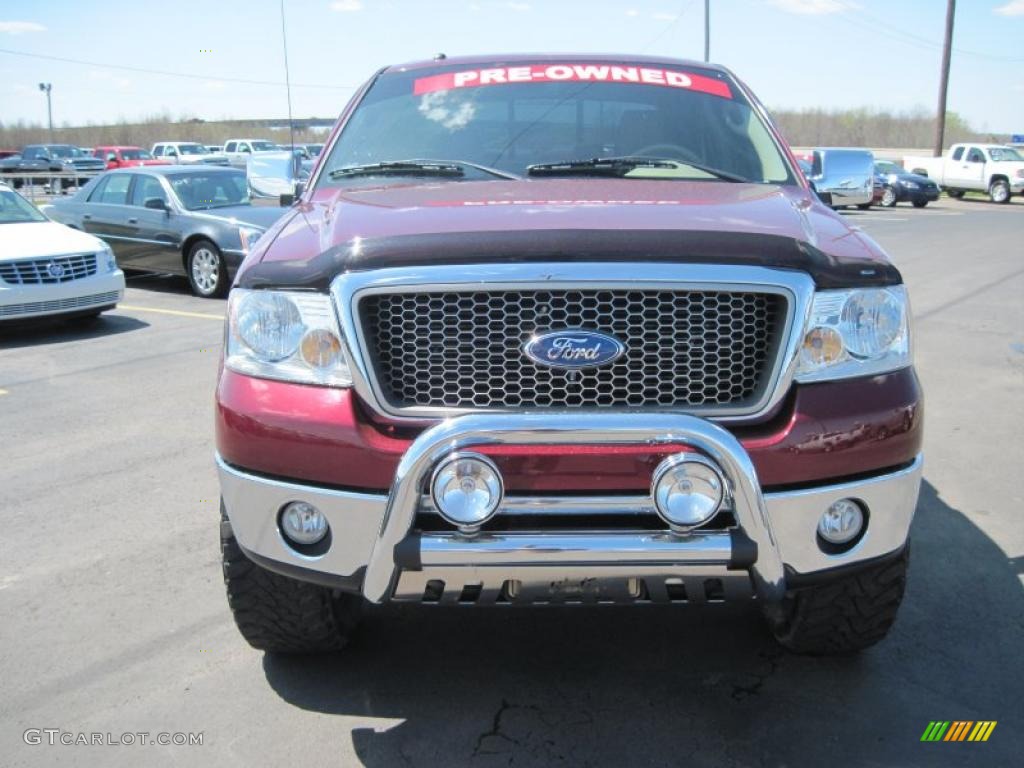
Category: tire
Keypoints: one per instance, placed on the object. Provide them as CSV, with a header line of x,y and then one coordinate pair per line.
x,y
956,194
999,192
845,615
207,271
920,203
889,198
278,614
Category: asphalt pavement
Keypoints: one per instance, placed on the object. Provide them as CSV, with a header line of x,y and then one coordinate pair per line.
x,y
113,618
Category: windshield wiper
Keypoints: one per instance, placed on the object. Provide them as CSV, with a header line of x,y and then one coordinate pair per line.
x,y
400,168
450,168
620,166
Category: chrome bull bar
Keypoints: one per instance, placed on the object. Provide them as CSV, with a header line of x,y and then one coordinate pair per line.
x,y
751,546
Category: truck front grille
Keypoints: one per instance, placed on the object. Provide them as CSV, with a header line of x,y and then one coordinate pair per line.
x,y
59,269
698,349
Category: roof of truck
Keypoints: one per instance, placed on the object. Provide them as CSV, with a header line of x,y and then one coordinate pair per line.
x,y
509,58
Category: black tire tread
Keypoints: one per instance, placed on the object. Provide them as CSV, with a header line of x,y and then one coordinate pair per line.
x,y
846,615
279,614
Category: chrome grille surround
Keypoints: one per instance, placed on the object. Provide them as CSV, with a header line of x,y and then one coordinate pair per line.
x,y
795,289
37,271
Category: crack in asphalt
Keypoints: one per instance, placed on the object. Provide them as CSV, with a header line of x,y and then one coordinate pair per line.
x,y
741,692
496,732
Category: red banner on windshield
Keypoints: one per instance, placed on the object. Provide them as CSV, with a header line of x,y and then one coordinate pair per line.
x,y
569,73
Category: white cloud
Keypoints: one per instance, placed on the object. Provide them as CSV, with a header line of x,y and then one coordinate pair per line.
x,y
1012,8
518,6
20,27
632,12
813,7
347,6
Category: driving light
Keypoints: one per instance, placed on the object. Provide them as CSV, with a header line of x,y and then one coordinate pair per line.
x,y
822,346
688,490
842,522
285,335
303,524
467,489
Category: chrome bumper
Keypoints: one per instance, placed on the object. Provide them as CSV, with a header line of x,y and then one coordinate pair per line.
x,y
373,541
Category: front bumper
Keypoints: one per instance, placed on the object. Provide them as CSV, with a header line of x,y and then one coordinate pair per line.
x,y
19,302
376,549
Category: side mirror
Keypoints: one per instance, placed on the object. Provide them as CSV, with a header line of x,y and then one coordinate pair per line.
x,y
824,197
156,204
289,199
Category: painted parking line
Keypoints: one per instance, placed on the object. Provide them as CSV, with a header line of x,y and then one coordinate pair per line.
x,y
175,312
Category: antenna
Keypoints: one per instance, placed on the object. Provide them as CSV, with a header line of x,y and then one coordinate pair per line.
x,y
287,80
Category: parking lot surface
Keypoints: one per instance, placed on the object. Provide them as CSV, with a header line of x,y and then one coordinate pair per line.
x,y
114,618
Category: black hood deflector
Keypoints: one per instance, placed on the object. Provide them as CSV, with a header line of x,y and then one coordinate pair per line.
x,y
574,245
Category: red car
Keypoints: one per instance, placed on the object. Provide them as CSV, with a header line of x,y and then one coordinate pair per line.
x,y
126,157
565,329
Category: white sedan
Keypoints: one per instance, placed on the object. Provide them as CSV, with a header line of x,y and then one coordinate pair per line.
x,y
49,269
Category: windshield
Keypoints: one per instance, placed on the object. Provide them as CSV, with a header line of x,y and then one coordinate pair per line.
x,y
887,167
136,154
1005,153
14,209
61,151
193,149
264,146
509,118
203,190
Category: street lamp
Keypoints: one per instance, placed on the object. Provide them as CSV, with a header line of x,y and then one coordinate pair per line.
x,y
46,88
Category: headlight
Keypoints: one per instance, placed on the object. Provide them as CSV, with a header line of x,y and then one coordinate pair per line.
x,y
911,184
248,236
285,335
105,258
856,333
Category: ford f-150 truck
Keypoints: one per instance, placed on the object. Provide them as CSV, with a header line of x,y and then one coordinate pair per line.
x,y
565,330
992,168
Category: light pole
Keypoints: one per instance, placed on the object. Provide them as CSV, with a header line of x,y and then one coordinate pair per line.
x,y
707,30
46,88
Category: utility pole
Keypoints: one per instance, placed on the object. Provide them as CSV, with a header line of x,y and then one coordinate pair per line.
x,y
287,82
707,30
947,50
46,88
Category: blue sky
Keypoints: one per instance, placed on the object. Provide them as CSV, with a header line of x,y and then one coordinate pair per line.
x,y
793,53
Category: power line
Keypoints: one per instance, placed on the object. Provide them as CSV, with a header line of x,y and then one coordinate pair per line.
x,y
165,73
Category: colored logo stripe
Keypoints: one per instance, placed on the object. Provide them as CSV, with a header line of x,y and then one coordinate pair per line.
x,y
958,730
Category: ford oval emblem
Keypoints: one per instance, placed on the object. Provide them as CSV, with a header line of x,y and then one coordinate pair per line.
x,y
573,349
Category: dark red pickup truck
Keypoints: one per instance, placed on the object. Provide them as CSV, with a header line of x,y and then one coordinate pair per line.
x,y
565,329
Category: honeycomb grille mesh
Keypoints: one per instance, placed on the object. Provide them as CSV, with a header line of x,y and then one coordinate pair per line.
x,y
698,349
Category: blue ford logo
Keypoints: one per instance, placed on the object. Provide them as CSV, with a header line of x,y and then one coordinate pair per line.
x,y
573,349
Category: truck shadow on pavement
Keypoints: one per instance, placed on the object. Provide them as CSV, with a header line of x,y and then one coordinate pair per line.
x,y
672,686
41,332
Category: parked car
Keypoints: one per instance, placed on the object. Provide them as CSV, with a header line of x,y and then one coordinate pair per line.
x,y
52,159
845,174
273,174
238,151
185,220
5,153
126,157
898,185
992,168
186,153
50,270
554,329
215,149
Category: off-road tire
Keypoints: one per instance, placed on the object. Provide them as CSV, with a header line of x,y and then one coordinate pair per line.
x,y
846,615
279,614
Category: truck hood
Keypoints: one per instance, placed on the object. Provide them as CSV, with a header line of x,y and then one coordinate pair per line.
x,y
340,230
42,239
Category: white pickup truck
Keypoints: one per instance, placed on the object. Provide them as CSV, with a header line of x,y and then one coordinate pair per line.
x,y
239,151
992,168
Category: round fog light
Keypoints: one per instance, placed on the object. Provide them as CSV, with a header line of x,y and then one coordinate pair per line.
x,y
467,490
302,523
842,522
688,490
